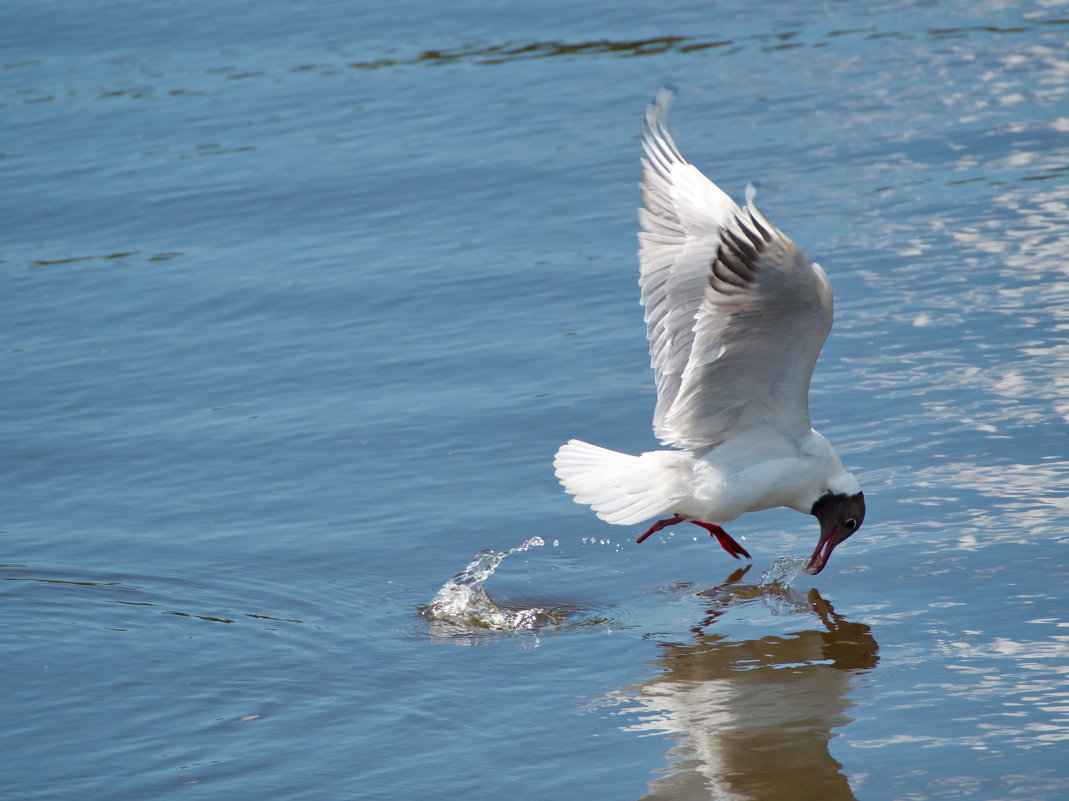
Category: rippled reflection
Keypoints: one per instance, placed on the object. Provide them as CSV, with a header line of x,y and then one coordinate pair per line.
x,y
752,719
484,53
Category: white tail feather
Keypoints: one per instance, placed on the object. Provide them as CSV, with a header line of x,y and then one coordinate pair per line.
x,y
621,488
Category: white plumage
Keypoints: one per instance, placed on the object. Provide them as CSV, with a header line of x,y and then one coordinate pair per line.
x,y
736,317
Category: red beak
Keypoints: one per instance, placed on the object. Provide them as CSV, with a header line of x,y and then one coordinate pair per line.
x,y
822,552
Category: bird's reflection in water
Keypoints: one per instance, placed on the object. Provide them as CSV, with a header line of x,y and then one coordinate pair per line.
x,y
753,719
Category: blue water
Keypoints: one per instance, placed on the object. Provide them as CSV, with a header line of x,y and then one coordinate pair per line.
x,y
298,301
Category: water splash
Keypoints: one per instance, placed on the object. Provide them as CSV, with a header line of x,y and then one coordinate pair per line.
x,y
777,594
773,591
463,604
783,571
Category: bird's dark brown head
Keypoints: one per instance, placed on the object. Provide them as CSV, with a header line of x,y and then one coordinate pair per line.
x,y
840,516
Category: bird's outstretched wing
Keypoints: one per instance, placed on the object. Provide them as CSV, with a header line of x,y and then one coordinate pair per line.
x,y
735,313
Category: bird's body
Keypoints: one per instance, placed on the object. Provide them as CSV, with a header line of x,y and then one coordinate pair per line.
x,y
736,317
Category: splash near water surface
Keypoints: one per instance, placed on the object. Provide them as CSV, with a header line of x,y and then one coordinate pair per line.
x,y
783,571
463,604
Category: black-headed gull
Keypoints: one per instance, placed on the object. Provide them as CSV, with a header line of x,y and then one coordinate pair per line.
x,y
736,316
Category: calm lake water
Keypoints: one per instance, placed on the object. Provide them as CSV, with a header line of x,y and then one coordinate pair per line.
x,y
298,301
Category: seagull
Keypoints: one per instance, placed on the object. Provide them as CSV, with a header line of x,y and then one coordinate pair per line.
x,y
736,316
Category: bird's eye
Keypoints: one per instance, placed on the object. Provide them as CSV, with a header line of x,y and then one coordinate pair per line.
x,y
850,523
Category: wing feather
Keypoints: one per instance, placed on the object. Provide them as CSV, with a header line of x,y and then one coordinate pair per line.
x,y
735,313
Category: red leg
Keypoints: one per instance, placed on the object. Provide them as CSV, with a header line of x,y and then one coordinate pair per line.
x,y
668,521
727,542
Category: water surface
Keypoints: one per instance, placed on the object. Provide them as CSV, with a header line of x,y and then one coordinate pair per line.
x,y
298,304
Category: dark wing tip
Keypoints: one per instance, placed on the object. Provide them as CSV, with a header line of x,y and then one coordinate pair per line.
x,y
735,265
